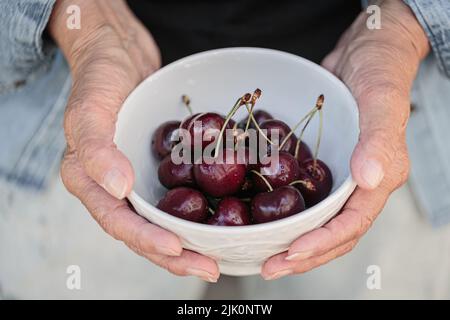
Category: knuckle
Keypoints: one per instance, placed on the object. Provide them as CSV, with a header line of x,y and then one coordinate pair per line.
x,y
138,242
366,221
105,220
91,151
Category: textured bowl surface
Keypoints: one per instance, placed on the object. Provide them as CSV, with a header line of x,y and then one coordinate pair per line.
x,y
214,80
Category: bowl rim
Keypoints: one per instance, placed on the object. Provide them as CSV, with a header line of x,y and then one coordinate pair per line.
x,y
347,186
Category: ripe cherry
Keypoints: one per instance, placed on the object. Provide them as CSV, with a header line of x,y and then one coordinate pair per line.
x,y
315,181
230,212
221,176
209,123
285,171
277,204
185,203
283,130
163,138
175,175
259,115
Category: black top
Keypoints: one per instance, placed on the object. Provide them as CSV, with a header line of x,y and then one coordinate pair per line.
x,y
309,28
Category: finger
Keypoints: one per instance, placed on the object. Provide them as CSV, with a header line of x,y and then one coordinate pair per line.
x,y
383,118
114,216
188,264
356,218
90,120
277,266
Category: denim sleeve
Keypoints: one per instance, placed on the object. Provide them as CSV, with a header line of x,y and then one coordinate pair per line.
x,y
22,48
434,16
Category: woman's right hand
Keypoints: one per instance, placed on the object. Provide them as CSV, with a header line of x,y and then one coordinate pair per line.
x,y
109,56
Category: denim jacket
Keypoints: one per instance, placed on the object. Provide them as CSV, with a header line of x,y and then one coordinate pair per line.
x,y
35,83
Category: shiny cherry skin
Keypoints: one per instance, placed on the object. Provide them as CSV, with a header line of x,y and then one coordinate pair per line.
x,y
304,153
173,175
210,123
259,115
285,171
162,143
317,181
185,203
230,212
283,130
277,204
220,179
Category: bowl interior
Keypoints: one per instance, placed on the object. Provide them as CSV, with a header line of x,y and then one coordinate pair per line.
x,y
214,80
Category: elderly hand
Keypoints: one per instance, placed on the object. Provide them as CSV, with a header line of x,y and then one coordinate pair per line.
x,y
379,67
108,57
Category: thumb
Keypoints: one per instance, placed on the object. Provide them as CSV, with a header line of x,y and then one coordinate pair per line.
x,y
384,112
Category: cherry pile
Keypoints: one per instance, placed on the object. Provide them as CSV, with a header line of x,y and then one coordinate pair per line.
x,y
229,187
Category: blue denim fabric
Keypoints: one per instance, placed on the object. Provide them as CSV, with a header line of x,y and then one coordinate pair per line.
x,y
31,134
22,49
434,16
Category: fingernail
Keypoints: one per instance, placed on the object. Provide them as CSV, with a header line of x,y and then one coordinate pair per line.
x,y
202,274
115,183
372,173
301,255
279,274
168,251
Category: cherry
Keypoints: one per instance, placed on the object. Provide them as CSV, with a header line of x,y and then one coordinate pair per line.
x,y
221,176
277,204
315,181
230,212
175,175
162,142
303,153
185,203
283,131
210,123
286,170
259,115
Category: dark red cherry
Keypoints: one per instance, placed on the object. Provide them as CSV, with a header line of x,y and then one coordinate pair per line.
x,y
316,181
259,115
230,212
209,123
175,175
277,204
221,176
163,139
185,203
283,130
281,173
303,153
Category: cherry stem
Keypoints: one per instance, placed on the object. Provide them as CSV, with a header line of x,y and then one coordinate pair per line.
x,y
299,141
230,114
295,128
319,137
187,102
263,179
211,210
257,126
255,96
318,106
303,182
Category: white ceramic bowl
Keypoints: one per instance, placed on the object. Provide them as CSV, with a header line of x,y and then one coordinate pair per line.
x,y
214,80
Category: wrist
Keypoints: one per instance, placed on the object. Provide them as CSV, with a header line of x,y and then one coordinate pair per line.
x,y
406,29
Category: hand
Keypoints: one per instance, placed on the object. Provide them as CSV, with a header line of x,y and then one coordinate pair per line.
x,y
379,67
108,57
